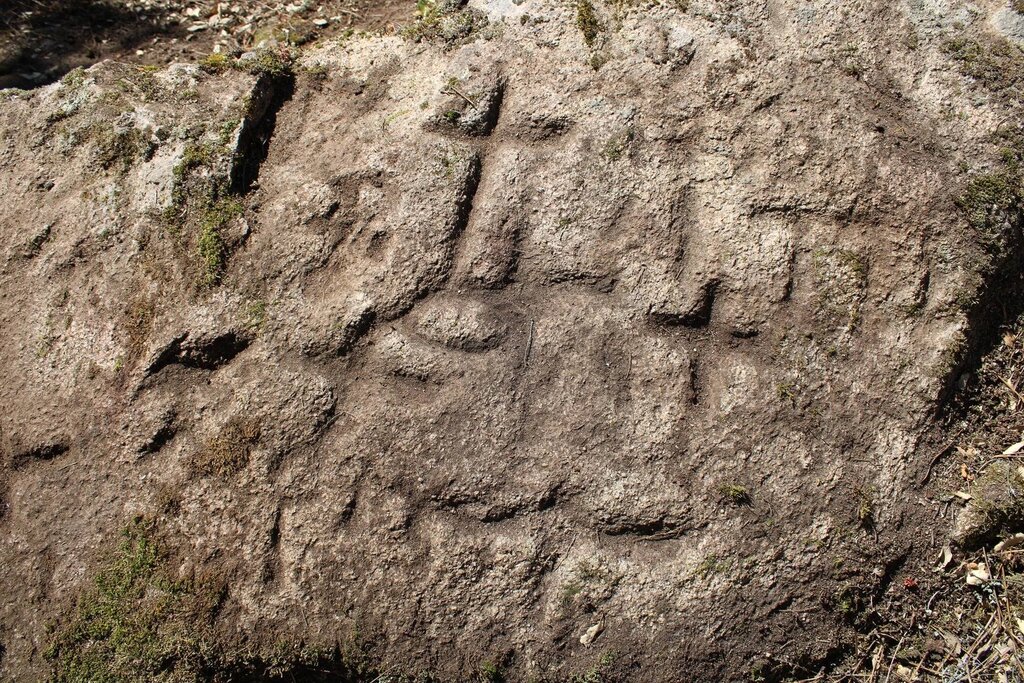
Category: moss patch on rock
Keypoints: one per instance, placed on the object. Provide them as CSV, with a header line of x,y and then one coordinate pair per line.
x,y
994,198
588,22
202,208
997,64
228,452
263,62
447,21
136,622
996,506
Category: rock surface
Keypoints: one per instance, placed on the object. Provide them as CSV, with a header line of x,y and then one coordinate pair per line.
x,y
493,331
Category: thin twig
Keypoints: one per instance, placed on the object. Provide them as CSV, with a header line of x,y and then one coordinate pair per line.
x,y
892,662
455,91
945,449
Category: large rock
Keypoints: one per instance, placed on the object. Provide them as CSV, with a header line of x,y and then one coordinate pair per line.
x,y
528,334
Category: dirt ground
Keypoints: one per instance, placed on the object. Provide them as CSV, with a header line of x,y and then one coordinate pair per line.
x,y
41,40
535,341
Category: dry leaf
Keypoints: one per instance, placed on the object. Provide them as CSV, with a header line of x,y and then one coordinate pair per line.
x,y
945,559
1014,448
952,642
1011,542
591,634
977,574
962,496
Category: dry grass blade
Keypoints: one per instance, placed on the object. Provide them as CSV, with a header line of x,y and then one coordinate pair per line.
x,y
1013,390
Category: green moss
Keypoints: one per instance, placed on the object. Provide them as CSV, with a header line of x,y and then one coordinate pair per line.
x,y
737,494
991,197
136,325
227,131
255,315
996,506
140,81
618,145
426,9
192,158
446,21
570,591
865,509
212,252
120,149
997,64
856,264
589,581
711,566
458,27
588,22
35,244
490,673
7,94
74,78
998,190
265,61
132,624
216,63
851,61
138,623
986,192
452,161
202,206
395,116
847,602
428,19
598,59
597,672
841,278
45,345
